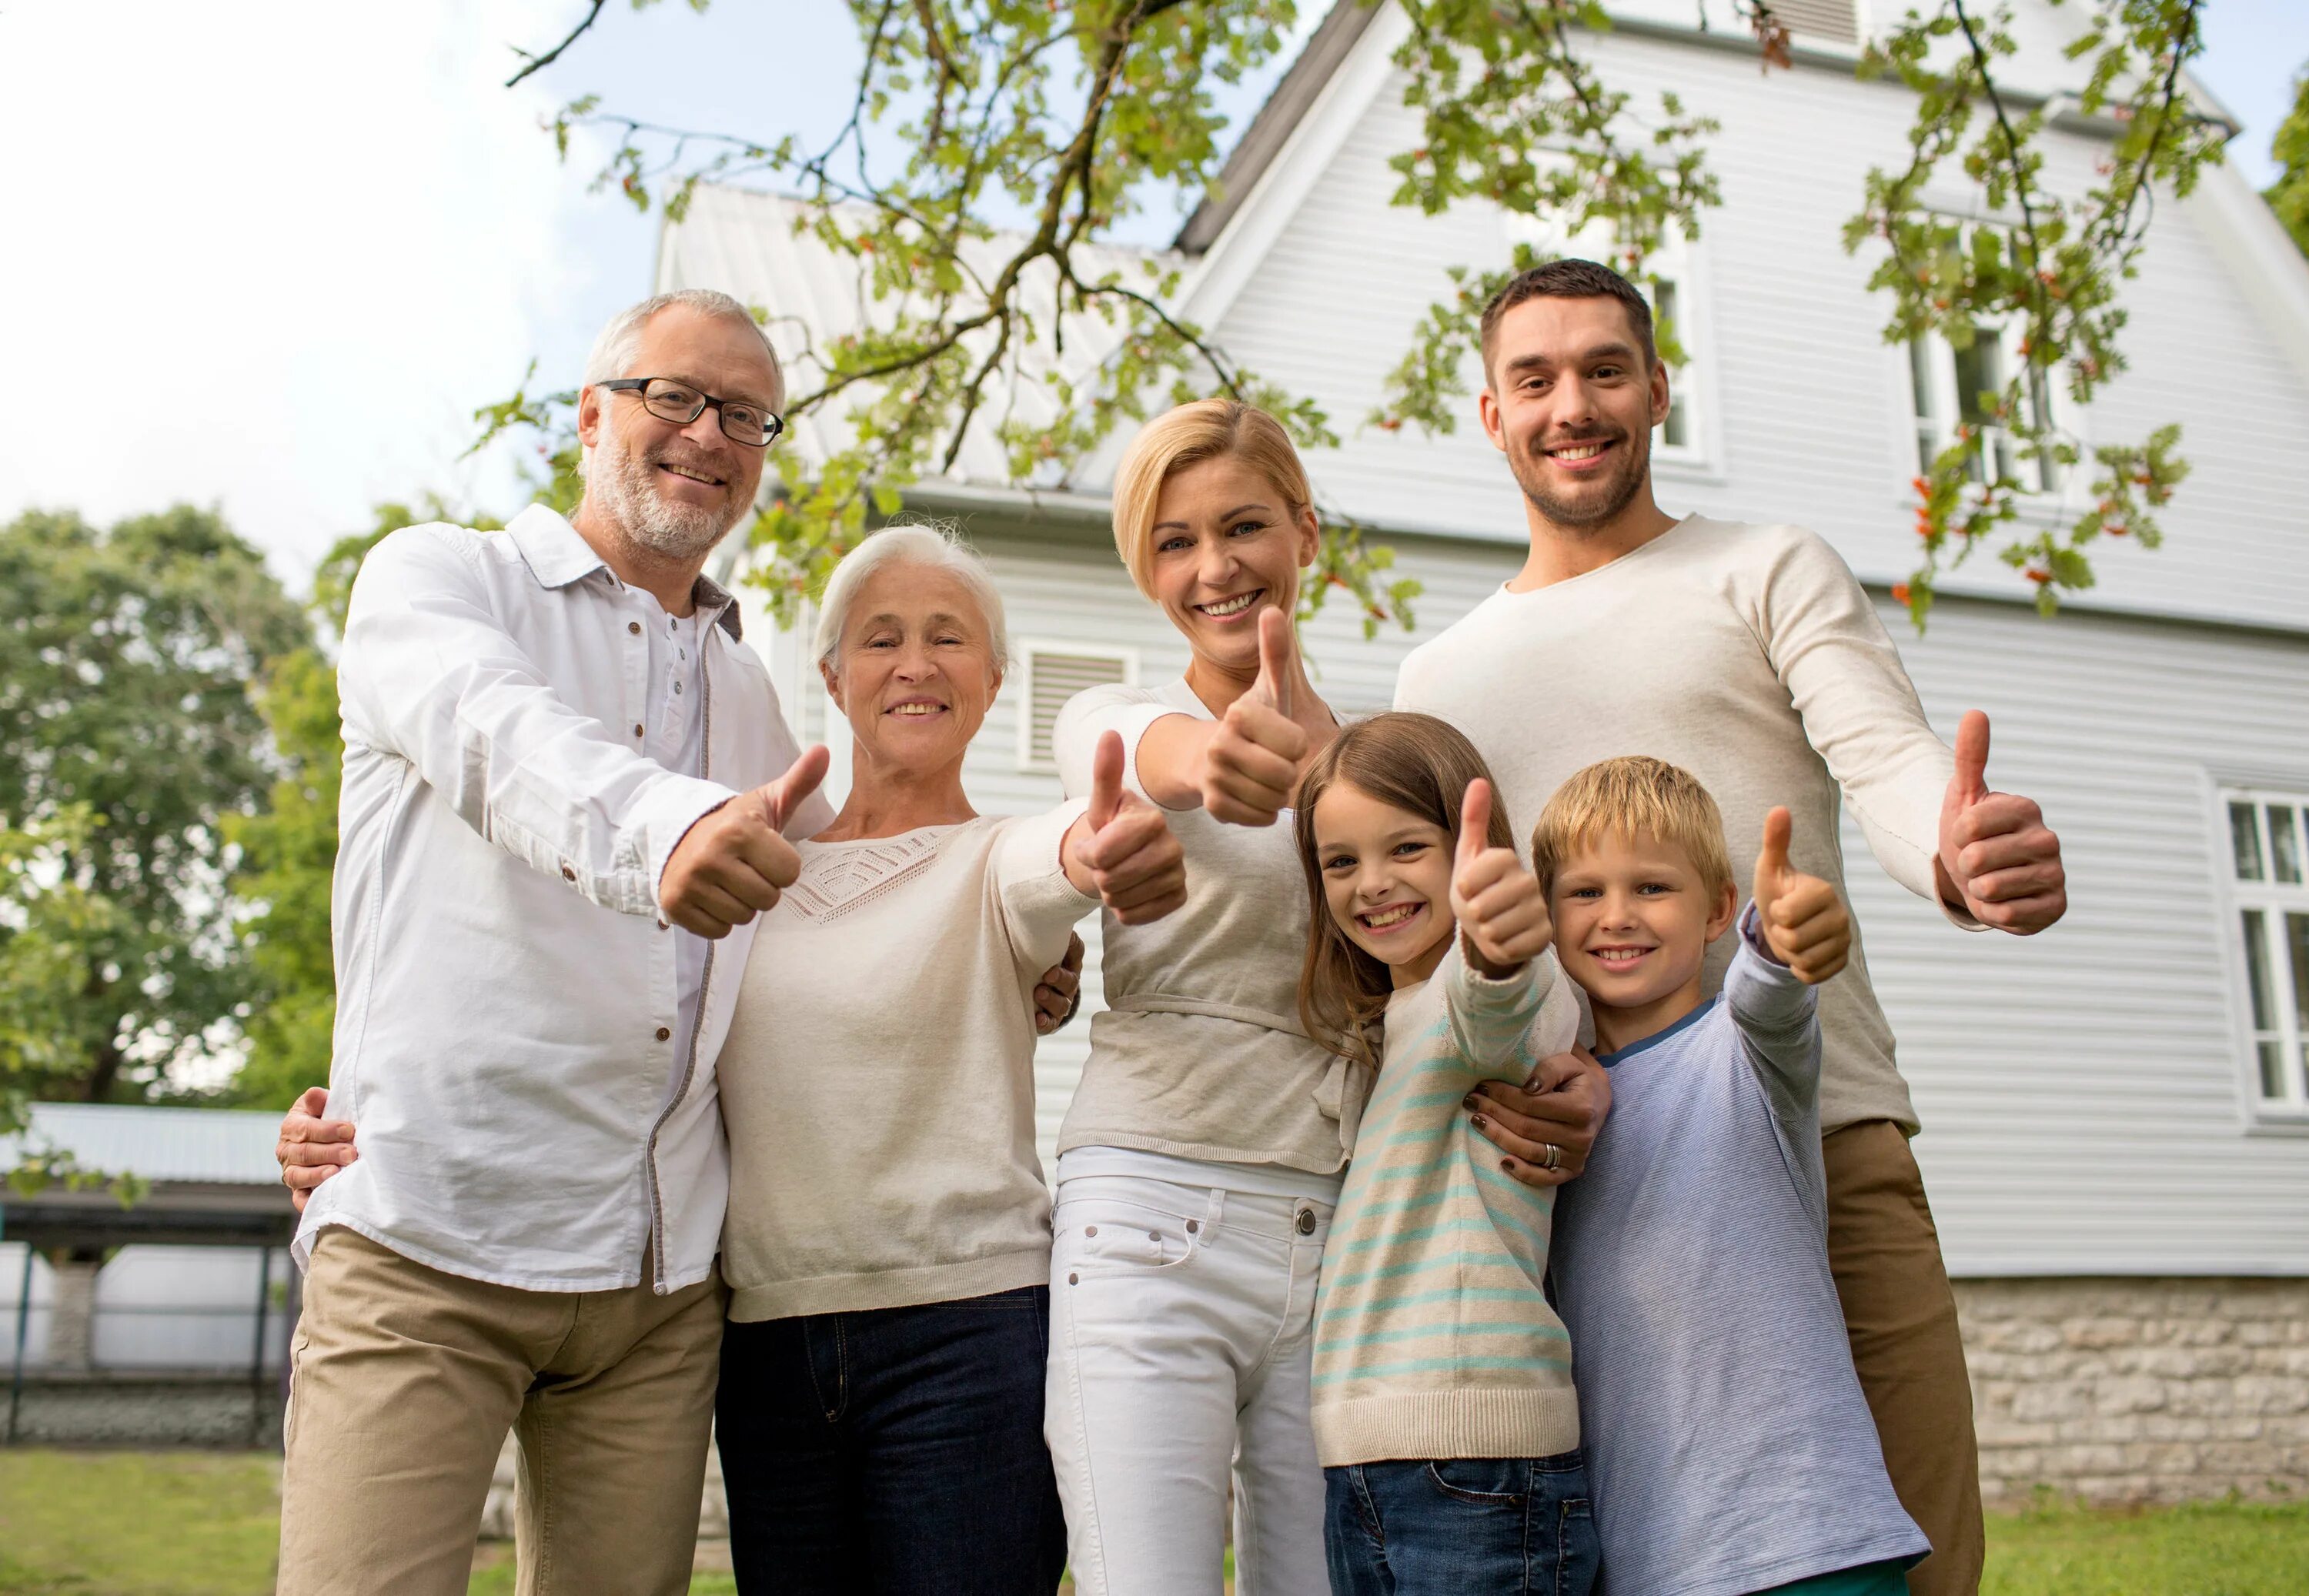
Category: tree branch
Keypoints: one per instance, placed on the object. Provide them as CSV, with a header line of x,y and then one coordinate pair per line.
x,y
539,63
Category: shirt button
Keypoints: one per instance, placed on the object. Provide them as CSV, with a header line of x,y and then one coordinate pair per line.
x,y
661,925
676,686
1306,1221
634,627
638,728
1090,1229
567,874
665,1033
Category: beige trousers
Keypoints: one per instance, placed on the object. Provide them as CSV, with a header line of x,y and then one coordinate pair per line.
x,y
403,1381
1901,1316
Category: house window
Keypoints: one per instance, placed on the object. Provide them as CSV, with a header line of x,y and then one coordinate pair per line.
x,y
1053,673
2269,863
1952,387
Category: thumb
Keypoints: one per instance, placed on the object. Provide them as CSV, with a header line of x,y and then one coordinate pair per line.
x,y
1276,652
1970,782
1474,821
1105,780
1772,862
790,791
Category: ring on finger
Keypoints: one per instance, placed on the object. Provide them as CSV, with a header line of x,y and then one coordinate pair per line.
x,y
1555,1159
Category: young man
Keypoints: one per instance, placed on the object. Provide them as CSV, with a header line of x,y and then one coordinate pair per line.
x,y
1749,656
566,788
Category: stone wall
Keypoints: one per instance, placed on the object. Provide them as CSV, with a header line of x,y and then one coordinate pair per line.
x,y
115,1408
2140,1390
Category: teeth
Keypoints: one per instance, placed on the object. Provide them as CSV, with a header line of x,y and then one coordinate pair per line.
x,y
1385,918
917,709
692,475
1621,955
1578,451
1230,607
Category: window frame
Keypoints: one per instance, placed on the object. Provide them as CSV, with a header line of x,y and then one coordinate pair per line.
x,y
2273,900
1022,653
1947,402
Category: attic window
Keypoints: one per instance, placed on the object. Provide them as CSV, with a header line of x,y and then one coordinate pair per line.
x,y
1053,673
1832,21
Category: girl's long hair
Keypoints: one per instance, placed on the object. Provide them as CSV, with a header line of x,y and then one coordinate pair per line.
x,y
1413,762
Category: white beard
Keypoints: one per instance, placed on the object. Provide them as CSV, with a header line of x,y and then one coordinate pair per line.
x,y
625,485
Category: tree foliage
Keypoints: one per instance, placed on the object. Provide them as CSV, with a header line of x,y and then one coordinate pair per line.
x,y
2289,196
1071,112
129,740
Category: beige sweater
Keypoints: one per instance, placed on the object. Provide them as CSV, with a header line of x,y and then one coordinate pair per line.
x,y
1198,1053
1749,656
878,1081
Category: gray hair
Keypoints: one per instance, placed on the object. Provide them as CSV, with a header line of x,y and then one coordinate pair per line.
x,y
914,543
619,343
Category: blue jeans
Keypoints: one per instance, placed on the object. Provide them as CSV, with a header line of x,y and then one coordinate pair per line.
x,y
1500,1526
896,1453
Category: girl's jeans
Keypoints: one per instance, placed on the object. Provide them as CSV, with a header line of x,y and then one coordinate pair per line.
x,y
1500,1526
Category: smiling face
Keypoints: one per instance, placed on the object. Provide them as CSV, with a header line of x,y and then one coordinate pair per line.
x,y
1227,546
914,671
676,491
1387,879
1571,402
1633,919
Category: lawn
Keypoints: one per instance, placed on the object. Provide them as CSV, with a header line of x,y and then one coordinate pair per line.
x,y
202,1524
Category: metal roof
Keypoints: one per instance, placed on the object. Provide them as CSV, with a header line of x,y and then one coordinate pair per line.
x,y
216,1145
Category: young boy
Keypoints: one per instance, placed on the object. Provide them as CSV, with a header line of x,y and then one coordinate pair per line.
x,y
1729,1447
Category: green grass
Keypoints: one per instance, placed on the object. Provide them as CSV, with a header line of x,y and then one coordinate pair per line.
x,y
2207,1549
202,1523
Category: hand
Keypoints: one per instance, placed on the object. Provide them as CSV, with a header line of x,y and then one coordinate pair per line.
x,y
1998,858
311,1148
1121,848
1804,923
1562,1106
1502,914
1252,762
1060,989
733,864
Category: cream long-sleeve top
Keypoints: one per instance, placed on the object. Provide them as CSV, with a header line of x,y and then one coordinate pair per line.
x,y
1749,656
1199,1053
879,1078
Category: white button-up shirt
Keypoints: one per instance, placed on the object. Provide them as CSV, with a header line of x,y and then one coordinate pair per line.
x,y
526,1050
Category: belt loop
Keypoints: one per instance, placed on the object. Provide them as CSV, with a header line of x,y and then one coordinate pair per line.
x,y
1216,1208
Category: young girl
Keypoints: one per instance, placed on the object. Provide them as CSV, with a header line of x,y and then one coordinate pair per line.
x,y
1443,1407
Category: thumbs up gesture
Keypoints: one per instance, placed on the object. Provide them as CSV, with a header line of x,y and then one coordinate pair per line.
x,y
1252,760
1804,924
1121,848
1502,914
1998,858
733,864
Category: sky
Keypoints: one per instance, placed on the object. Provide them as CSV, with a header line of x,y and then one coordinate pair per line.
x,y
294,246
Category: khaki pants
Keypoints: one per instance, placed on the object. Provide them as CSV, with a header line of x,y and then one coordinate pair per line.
x,y
1901,1316
403,1381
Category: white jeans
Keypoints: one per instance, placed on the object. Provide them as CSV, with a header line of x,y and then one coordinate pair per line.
x,y
1182,1335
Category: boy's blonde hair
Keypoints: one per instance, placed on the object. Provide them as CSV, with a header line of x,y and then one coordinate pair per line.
x,y
1413,762
1631,797
1206,429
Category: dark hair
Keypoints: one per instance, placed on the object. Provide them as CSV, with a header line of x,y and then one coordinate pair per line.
x,y
1417,763
1570,280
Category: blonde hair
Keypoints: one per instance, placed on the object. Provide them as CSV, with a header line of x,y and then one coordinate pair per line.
x,y
1413,762
1207,430
1636,796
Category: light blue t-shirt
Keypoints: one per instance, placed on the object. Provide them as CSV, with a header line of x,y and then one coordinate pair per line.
x,y
1728,1445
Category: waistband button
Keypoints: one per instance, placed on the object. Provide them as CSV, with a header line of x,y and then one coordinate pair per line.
x,y
1306,1221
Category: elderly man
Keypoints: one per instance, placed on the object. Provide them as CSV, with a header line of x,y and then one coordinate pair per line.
x,y
567,789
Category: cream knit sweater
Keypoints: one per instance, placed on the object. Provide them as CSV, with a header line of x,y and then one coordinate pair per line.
x,y
1433,1336
1750,657
878,1081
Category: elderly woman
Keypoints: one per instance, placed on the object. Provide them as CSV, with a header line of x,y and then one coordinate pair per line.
x,y
888,1245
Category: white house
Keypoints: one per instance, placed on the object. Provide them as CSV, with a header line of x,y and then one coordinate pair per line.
x,y
2117,1112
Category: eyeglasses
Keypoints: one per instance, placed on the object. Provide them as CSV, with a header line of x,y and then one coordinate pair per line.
x,y
669,400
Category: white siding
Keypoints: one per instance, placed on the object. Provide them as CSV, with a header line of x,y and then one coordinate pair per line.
x,y
1812,402
2084,1091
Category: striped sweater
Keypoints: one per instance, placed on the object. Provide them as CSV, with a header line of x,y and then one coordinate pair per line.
x,y
1432,1336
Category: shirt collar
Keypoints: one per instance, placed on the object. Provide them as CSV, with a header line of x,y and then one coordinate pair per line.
x,y
559,555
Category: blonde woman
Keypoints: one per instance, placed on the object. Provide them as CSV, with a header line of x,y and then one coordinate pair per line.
x,y
1201,1160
